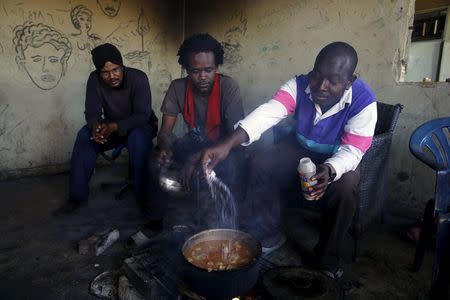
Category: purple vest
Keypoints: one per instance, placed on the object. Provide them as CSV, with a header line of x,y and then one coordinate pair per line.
x,y
325,136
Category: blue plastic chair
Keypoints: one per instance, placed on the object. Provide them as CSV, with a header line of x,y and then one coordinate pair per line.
x,y
430,144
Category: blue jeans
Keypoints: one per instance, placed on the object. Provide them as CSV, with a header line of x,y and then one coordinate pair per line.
x,y
85,153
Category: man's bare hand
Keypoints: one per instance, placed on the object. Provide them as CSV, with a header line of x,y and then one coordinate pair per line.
x,y
189,168
95,134
322,176
214,155
101,131
164,144
164,157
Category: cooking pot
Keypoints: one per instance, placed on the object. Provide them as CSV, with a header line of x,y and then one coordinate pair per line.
x,y
222,283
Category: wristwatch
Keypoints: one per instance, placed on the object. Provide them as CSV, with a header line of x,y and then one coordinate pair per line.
x,y
331,173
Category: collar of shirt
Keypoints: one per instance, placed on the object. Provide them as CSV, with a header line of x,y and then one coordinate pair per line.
x,y
346,98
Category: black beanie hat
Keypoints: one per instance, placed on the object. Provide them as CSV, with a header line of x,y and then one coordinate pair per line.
x,y
106,52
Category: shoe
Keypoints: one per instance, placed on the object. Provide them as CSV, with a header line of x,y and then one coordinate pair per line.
x,y
335,273
273,243
68,208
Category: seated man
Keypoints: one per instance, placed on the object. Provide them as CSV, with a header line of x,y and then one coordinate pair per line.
x,y
117,109
335,116
210,104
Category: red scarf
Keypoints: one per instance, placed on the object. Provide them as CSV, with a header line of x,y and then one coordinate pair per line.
x,y
213,111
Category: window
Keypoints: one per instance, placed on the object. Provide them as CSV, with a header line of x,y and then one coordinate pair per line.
x,y
429,51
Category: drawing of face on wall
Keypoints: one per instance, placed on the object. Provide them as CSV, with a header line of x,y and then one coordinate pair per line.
x,y
109,7
42,52
81,18
139,60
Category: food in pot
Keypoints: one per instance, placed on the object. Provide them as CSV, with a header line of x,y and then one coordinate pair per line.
x,y
219,255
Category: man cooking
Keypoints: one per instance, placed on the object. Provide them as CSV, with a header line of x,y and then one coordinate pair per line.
x,y
335,115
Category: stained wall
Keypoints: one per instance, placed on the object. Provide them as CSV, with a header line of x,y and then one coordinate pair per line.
x,y
45,61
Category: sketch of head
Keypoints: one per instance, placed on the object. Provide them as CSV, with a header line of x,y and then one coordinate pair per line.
x,y
81,18
165,78
43,52
109,7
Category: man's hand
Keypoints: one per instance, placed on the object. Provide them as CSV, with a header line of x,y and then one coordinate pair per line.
x,y
322,176
189,167
97,127
164,157
164,144
214,155
101,131
108,129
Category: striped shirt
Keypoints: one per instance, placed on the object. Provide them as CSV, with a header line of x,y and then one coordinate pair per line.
x,y
344,132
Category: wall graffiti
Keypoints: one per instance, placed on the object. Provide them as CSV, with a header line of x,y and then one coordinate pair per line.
x,y
140,60
232,42
143,26
81,18
109,7
7,125
42,52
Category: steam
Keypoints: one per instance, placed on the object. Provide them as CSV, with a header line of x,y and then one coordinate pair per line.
x,y
223,203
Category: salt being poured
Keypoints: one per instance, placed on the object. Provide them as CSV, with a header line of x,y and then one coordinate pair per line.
x,y
223,202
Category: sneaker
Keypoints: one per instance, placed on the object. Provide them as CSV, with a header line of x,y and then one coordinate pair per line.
x,y
273,243
68,208
335,273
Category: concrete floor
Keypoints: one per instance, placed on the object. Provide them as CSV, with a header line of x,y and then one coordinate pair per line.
x,y
39,258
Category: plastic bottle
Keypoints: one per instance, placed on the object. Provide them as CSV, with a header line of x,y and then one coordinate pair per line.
x,y
306,169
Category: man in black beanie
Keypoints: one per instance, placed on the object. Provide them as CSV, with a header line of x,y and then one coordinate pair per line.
x,y
117,110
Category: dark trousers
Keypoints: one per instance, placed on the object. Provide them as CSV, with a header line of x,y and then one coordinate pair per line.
x,y
85,153
275,170
230,171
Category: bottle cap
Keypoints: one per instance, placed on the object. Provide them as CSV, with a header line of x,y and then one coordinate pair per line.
x,y
306,165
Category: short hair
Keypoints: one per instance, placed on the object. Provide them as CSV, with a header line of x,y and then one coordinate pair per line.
x,y
36,35
77,10
339,49
202,42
